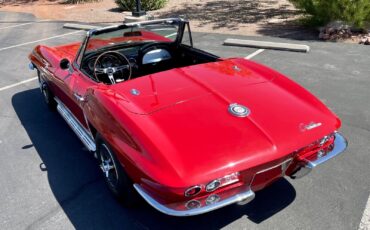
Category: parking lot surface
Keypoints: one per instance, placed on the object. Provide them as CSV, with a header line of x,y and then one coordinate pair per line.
x,y
48,180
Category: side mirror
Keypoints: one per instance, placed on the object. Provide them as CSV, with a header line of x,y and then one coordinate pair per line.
x,y
64,63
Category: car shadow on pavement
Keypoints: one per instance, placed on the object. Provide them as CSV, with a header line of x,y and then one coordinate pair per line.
x,y
76,183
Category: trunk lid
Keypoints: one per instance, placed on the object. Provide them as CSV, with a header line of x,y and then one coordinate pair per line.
x,y
168,88
198,136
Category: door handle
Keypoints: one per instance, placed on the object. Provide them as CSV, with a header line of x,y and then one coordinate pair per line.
x,y
79,97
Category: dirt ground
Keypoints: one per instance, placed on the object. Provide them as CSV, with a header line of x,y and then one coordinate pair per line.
x,y
244,17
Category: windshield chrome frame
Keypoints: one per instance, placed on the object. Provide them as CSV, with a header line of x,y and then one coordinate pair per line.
x,y
81,52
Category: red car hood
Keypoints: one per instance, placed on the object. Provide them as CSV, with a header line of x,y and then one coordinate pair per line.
x,y
186,112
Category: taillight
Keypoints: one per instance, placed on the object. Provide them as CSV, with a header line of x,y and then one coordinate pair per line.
x,y
213,185
212,199
223,181
191,204
192,191
326,140
317,149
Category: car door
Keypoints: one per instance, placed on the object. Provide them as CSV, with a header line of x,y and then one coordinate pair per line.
x,y
81,84
68,93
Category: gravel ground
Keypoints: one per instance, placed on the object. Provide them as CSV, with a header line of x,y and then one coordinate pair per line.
x,y
242,17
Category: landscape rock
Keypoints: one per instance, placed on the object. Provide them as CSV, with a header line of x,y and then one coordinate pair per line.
x,y
365,40
340,31
336,30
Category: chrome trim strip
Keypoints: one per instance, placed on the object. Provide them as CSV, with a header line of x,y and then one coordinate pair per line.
x,y
244,197
102,29
340,144
156,21
76,126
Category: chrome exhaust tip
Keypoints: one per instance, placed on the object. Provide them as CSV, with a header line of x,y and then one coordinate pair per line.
x,y
247,199
302,171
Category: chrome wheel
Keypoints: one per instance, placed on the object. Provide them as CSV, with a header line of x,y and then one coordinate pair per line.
x,y
114,174
107,165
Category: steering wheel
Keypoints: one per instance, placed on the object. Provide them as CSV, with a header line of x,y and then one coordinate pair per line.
x,y
112,62
151,46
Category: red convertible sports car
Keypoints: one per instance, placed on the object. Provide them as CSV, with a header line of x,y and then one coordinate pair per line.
x,y
186,130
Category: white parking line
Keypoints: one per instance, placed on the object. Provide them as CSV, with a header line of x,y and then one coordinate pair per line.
x,y
23,24
365,221
250,56
17,84
40,40
27,43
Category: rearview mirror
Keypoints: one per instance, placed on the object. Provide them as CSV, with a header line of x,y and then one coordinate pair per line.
x,y
132,34
64,63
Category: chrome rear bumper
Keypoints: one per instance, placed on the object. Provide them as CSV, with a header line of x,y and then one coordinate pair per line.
x,y
241,198
340,144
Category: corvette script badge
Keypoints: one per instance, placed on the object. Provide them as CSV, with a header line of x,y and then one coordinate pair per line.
x,y
305,127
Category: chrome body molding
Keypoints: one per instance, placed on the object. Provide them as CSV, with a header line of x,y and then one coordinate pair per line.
x,y
340,144
241,198
156,20
107,28
76,126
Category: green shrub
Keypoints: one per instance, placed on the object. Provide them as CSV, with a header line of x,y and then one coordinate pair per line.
x,y
130,5
356,12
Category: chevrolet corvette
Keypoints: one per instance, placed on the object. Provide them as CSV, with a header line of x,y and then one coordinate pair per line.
x,y
185,130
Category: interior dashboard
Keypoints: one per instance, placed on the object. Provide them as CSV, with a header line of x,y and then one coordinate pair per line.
x,y
139,57
145,59
131,53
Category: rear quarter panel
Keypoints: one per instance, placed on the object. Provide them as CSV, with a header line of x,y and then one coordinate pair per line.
x,y
115,126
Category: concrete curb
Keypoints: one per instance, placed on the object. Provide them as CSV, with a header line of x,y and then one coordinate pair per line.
x,y
79,26
267,45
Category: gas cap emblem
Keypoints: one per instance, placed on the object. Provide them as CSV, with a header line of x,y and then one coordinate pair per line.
x,y
135,92
239,110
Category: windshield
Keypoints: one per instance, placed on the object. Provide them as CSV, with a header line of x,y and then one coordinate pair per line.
x,y
163,31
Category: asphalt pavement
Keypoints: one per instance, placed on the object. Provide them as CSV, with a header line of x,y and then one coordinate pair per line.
x,y
49,181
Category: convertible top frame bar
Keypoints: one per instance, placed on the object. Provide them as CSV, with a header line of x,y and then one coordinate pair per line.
x,y
182,24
